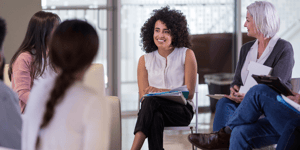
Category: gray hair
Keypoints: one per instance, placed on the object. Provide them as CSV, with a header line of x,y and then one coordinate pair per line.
x,y
265,17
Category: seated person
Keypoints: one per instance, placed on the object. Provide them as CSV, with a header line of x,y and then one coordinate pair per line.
x,y
62,112
244,131
262,22
10,115
167,64
29,63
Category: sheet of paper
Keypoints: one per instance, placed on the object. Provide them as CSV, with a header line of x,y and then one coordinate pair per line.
x,y
257,69
216,96
292,103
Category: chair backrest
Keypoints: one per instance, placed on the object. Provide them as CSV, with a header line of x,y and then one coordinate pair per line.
x,y
295,84
94,78
116,132
5,77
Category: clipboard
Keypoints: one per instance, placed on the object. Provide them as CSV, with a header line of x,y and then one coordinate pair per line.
x,y
274,83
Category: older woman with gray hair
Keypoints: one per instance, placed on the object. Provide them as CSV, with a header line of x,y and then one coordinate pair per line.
x,y
263,23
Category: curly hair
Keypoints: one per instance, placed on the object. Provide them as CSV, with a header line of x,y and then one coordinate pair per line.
x,y
174,20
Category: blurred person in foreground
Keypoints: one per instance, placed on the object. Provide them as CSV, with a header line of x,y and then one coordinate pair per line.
x,y
10,115
63,113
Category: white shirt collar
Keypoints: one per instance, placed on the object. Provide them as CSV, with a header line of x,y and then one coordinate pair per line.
x,y
273,41
271,44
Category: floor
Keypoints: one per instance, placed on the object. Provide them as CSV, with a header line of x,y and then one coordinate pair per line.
x,y
173,140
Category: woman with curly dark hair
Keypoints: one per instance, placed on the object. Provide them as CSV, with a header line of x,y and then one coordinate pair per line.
x,y
167,64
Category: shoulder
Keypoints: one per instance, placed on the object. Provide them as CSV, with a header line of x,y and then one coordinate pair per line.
x,y
24,57
245,48
247,45
190,53
142,59
283,44
148,57
190,57
7,93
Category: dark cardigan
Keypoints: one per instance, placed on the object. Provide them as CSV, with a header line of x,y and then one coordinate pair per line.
x,y
281,60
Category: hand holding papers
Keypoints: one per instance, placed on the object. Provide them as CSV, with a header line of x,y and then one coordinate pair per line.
x,y
257,69
178,95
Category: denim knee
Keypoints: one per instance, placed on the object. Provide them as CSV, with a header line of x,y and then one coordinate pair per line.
x,y
224,110
260,88
223,102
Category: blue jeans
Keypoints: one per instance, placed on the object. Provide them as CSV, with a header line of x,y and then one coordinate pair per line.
x,y
250,132
224,110
289,140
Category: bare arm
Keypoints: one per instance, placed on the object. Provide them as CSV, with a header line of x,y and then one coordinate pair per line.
x,y
142,75
190,72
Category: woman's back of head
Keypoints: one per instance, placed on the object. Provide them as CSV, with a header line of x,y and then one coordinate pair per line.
x,y
73,46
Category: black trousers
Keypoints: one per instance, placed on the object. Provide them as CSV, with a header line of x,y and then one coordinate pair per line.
x,y
157,113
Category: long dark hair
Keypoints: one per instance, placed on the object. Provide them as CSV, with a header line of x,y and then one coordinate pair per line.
x,y
35,42
73,47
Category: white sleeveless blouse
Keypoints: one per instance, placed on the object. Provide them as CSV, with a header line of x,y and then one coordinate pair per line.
x,y
166,73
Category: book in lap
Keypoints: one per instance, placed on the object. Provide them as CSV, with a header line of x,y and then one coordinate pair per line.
x,y
178,95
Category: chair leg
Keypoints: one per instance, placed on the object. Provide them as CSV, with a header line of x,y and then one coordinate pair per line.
x,y
193,147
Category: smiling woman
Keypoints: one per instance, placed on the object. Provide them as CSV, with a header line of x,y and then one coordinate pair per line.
x,y
167,64
162,37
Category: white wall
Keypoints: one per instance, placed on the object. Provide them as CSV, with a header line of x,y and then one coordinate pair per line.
x,y
17,14
293,36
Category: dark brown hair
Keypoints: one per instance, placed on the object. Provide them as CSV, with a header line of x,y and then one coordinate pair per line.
x,y
2,36
174,20
2,32
35,42
73,47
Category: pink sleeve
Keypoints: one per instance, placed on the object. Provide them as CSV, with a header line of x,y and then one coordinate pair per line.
x,y
21,79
